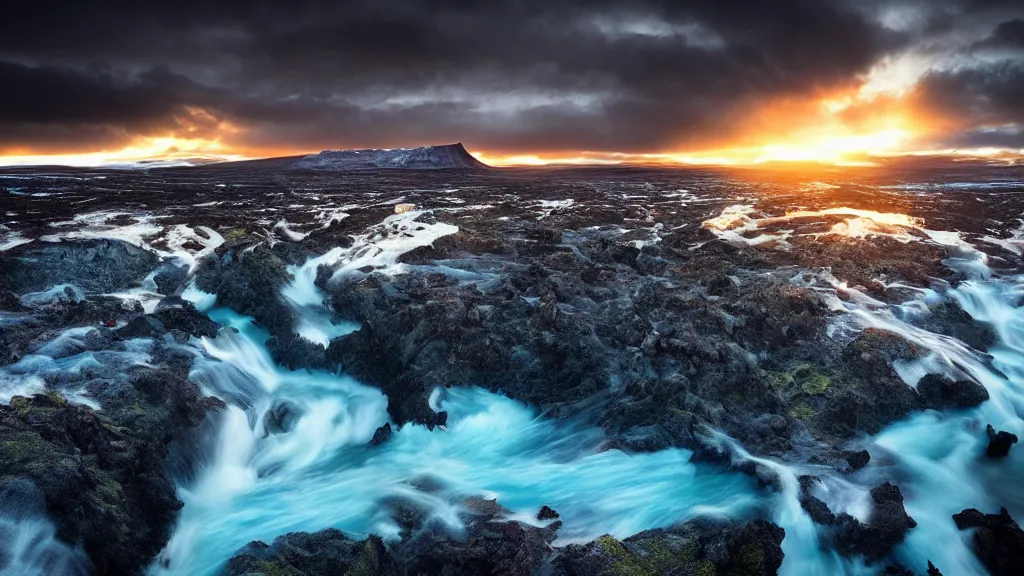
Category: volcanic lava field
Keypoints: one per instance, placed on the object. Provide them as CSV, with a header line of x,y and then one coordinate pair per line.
x,y
246,369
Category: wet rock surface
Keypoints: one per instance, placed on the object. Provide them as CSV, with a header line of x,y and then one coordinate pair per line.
x,y
694,548
997,541
181,317
321,554
100,265
999,443
495,546
886,527
248,279
941,392
599,297
546,513
381,435
104,479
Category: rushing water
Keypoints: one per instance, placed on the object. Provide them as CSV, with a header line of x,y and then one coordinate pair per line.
x,y
261,482
323,473
939,455
935,457
28,540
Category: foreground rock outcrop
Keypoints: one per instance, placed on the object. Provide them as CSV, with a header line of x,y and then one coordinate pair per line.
x,y
104,479
886,527
492,545
700,547
997,541
999,443
103,470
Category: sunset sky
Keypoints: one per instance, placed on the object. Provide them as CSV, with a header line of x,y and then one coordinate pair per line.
x,y
518,81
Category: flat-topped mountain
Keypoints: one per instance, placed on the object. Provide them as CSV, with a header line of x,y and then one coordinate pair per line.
x,y
444,157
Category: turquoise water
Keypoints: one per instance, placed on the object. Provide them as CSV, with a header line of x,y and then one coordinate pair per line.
x,y
324,474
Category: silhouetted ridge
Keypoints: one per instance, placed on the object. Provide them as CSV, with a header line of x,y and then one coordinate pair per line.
x,y
446,157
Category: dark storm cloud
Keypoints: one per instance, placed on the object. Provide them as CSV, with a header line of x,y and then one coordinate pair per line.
x,y
988,100
1007,35
53,94
507,74
985,96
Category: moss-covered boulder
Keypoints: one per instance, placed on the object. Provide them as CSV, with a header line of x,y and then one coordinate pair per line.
x,y
700,548
104,476
325,553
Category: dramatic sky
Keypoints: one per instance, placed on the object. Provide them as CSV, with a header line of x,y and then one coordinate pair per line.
x,y
732,81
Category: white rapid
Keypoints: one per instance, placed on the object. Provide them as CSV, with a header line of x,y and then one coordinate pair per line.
x,y
937,458
64,364
319,471
940,459
28,540
378,249
322,472
293,454
801,545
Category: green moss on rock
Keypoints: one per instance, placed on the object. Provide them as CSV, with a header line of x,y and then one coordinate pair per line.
x,y
275,568
235,234
816,384
706,568
653,557
612,547
749,560
777,380
801,412
368,561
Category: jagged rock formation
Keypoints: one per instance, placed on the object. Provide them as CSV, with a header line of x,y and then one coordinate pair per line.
x,y
886,528
997,541
494,545
444,157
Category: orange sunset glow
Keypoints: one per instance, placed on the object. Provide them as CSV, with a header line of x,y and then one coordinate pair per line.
x,y
861,127
877,117
852,129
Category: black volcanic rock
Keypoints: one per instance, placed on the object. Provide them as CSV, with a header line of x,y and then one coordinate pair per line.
x,y
444,157
858,459
104,476
169,277
696,547
496,546
293,352
941,392
998,541
249,280
999,443
887,526
319,554
184,318
546,513
381,435
95,266
817,510
491,546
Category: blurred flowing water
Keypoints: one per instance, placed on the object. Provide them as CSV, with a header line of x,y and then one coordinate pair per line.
x,y
258,483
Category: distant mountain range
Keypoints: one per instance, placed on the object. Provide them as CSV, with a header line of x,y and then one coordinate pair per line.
x,y
444,157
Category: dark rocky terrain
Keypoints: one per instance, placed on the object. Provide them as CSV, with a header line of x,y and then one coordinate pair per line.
x,y
635,302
